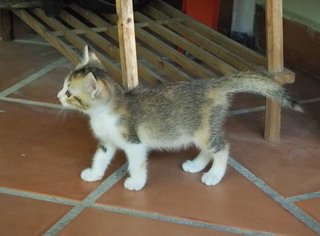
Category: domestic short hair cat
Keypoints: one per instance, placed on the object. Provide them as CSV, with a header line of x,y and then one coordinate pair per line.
x,y
168,117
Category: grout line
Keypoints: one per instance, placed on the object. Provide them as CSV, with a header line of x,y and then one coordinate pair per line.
x,y
33,77
180,221
38,196
106,185
303,197
310,100
262,108
245,110
29,102
88,201
289,206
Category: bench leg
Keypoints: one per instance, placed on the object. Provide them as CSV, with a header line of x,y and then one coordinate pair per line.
x,y
275,64
6,26
272,121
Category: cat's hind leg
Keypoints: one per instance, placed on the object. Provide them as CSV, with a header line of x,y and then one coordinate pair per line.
x,y
137,161
100,162
198,163
220,154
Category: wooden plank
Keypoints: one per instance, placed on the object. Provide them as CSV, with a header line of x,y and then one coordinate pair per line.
x,y
51,38
104,29
127,43
201,41
171,70
164,49
275,64
211,60
77,41
6,26
145,72
218,38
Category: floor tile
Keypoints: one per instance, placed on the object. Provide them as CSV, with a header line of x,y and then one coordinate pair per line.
x,y
45,88
19,61
234,202
306,86
286,165
98,222
42,153
311,207
22,216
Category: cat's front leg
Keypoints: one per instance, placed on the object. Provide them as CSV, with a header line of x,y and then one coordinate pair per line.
x,y
100,162
137,160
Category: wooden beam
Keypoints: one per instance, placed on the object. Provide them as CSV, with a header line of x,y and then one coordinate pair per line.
x,y
162,64
144,71
77,41
200,40
275,64
61,46
213,35
127,43
6,26
212,61
172,53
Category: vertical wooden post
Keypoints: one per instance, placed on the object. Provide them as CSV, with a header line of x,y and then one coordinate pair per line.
x,y
127,43
6,25
275,64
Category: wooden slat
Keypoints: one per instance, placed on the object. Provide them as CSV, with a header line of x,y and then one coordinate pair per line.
x,y
220,39
211,60
77,41
189,65
114,28
127,43
275,64
166,67
51,38
284,77
145,72
202,41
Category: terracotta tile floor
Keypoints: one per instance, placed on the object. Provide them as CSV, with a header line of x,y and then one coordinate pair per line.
x,y
269,188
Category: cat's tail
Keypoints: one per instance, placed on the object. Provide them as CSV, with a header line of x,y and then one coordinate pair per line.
x,y
259,84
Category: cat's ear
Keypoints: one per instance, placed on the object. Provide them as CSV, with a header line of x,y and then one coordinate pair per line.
x,y
93,85
89,56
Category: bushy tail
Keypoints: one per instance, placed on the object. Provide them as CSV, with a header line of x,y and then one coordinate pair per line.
x,y
258,84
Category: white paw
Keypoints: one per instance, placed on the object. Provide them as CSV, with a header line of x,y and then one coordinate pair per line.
x,y
192,167
134,183
89,175
211,178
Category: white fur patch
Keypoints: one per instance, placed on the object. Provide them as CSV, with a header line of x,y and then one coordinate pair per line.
x,y
218,169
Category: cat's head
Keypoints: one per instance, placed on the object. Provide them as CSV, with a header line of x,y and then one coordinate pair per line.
x,y
85,87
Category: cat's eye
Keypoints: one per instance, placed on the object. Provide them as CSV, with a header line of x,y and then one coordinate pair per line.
x,y
68,93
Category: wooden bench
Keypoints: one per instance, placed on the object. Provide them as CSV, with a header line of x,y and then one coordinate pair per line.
x,y
170,46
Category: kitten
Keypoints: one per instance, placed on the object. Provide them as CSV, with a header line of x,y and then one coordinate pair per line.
x,y
168,117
